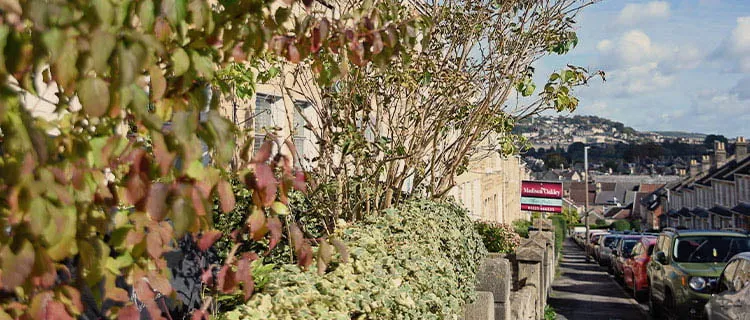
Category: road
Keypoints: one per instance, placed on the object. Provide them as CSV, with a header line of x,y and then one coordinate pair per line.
x,y
585,291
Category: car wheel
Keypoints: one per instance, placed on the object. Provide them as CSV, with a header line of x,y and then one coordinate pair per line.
x,y
654,308
670,307
636,294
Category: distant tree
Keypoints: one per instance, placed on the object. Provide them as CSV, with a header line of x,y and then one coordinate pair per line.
x,y
555,161
576,150
709,140
611,164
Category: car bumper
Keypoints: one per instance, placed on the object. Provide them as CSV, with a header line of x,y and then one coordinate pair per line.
x,y
695,306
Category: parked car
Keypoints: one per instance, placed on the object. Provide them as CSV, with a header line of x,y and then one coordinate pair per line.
x,y
594,236
685,268
634,267
731,297
622,252
605,252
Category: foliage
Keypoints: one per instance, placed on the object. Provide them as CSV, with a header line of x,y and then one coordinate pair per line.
x,y
549,313
561,227
414,123
498,237
635,225
600,222
555,161
620,225
570,215
521,227
710,139
96,193
417,261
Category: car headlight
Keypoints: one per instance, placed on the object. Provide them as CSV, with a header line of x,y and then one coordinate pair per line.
x,y
697,283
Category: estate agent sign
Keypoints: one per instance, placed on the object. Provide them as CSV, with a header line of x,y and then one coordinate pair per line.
x,y
541,196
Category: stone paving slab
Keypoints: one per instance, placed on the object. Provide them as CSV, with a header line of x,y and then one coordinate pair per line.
x,y
584,291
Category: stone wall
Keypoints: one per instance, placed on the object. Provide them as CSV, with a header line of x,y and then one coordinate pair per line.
x,y
522,280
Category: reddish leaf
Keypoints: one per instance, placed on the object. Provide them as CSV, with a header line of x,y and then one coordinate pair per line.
x,y
305,255
377,43
16,266
299,181
341,248
136,189
199,315
198,204
143,289
162,30
263,182
238,54
159,283
129,313
154,245
245,275
257,223
226,279
153,309
39,303
163,157
156,204
75,298
274,226
307,3
55,310
316,41
208,238
117,294
207,277
226,196
264,153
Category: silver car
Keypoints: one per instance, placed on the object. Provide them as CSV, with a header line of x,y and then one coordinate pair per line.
x,y
731,297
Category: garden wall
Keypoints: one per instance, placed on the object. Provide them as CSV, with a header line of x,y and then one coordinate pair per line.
x,y
521,280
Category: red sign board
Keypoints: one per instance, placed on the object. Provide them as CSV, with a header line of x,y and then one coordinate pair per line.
x,y
536,189
541,196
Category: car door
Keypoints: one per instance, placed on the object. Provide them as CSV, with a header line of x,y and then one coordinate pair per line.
x,y
721,306
656,269
629,266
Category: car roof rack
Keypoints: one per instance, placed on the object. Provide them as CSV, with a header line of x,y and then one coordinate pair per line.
x,y
670,229
740,230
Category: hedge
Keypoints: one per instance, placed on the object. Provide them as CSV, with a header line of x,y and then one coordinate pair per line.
x,y
418,261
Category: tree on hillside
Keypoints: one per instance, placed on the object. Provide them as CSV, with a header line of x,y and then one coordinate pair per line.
x,y
555,161
708,142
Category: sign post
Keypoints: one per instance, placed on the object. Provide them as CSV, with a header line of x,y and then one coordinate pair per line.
x,y
541,196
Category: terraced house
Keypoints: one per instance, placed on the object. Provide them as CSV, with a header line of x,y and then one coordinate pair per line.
x,y
715,195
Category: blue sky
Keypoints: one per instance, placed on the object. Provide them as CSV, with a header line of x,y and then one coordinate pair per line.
x,y
671,65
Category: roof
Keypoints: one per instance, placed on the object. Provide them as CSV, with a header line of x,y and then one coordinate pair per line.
x,y
692,232
623,189
721,211
685,212
623,214
649,187
700,212
605,197
742,208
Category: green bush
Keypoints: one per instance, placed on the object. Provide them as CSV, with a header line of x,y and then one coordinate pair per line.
x,y
561,225
498,237
522,227
620,225
417,261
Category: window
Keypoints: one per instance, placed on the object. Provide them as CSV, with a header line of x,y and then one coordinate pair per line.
x,y
263,118
704,249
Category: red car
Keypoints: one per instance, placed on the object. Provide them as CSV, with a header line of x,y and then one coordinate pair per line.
x,y
634,267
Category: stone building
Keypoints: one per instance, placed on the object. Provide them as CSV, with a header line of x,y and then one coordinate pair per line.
x,y
491,189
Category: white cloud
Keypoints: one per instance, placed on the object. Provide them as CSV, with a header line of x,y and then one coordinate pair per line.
x,y
735,49
742,89
638,13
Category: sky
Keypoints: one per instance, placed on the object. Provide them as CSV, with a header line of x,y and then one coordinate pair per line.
x,y
680,65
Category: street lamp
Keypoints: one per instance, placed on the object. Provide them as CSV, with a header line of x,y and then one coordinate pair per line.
x,y
586,184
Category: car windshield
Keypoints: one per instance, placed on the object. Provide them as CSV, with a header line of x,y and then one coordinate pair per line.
x,y
628,244
709,248
608,241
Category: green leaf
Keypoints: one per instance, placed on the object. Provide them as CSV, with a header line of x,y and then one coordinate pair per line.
x,y
104,42
203,65
4,31
279,208
94,96
175,10
105,11
180,62
17,265
54,41
146,15
282,14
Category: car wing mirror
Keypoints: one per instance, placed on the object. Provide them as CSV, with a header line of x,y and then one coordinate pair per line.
x,y
660,257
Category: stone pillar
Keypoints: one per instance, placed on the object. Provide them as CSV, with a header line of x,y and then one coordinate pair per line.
x,y
482,308
529,256
495,276
548,263
705,163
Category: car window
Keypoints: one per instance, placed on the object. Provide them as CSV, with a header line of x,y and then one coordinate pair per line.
x,y
637,249
651,250
703,249
628,244
727,276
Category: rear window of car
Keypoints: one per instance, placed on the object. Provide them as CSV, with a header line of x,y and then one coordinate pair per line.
x,y
608,241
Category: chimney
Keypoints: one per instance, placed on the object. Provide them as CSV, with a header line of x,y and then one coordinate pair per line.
x,y
705,163
694,168
740,149
720,154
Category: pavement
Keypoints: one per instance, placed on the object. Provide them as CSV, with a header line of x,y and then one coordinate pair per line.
x,y
585,291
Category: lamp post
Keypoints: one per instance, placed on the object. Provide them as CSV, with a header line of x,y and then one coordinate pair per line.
x,y
586,184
